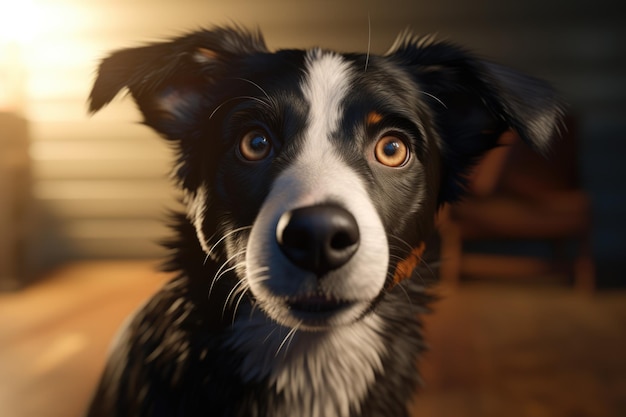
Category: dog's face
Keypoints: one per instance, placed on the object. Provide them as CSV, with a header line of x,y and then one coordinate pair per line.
x,y
331,160
316,175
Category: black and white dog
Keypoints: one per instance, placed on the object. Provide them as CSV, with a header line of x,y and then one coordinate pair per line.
x,y
312,179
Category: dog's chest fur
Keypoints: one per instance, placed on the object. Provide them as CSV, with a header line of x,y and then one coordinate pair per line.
x,y
321,374
248,366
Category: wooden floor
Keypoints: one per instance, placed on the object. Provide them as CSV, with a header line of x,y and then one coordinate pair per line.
x,y
497,350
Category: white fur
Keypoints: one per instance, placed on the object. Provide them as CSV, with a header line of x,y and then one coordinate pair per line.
x,y
321,374
327,372
196,207
318,176
326,86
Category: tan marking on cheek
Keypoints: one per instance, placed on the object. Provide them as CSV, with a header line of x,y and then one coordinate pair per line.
x,y
373,118
405,267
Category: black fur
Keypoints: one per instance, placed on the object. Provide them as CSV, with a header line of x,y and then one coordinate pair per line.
x,y
173,359
170,376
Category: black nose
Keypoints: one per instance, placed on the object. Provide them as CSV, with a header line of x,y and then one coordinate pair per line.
x,y
318,238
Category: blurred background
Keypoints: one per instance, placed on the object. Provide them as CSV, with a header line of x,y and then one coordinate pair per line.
x,y
98,185
85,197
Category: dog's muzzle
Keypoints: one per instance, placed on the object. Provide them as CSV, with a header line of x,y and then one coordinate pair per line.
x,y
318,238
317,255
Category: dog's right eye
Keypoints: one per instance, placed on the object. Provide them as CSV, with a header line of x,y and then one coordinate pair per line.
x,y
391,151
254,146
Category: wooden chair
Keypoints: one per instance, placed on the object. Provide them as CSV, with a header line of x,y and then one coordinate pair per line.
x,y
517,195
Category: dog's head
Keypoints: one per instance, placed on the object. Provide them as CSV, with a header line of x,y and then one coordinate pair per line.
x,y
316,175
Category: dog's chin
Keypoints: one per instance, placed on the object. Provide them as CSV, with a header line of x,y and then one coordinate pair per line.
x,y
314,312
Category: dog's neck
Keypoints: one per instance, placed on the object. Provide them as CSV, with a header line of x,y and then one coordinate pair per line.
x,y
320,373
347,371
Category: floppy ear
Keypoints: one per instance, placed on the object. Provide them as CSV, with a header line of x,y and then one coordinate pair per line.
x,y
171,80
474,102
173,85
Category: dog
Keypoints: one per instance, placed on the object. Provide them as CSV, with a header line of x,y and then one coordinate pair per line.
x,y
311,182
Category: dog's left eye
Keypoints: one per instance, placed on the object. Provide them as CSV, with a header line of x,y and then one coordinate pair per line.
x,y
254,146
391,151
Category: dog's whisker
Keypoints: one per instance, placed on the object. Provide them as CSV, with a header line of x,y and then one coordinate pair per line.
x,y
416,272
243,291
437,99
253,307
406,293
391,275
421,278
223,270
269,334
288,339
257,86
253,277
226,236
429,267
369,40
408,250
404,242
398,248
240,286
396,257
243,294
220,275
216,109
209,253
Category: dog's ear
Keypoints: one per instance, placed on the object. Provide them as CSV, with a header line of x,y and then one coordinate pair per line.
x,y
171,80
474,102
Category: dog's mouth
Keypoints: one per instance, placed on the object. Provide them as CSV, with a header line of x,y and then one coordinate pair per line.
x,y
315,311
317,305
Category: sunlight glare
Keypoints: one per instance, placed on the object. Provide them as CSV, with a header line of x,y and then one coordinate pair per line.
x,y
20,21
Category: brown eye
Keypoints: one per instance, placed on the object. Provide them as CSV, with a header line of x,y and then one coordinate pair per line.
x,y
254,146
391,151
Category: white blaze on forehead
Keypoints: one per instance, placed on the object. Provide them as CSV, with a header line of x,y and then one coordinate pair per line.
x,y
319,175
325,87
314,381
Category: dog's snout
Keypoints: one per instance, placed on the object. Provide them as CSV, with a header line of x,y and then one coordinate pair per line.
x,y
318,238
